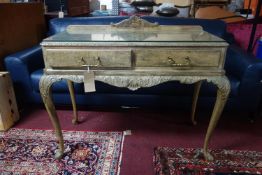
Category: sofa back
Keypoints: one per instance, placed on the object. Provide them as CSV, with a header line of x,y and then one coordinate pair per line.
x,y
216,27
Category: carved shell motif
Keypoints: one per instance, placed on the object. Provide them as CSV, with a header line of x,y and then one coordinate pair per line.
x,y
134,82
134,22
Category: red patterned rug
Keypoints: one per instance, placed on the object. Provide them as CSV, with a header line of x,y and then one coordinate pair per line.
x,y
177,161
25,151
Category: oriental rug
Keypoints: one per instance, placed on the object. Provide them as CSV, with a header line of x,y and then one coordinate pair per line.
x,y
190,161
26,151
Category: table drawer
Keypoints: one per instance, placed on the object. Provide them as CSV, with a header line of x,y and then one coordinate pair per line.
x,y
61,58
177,58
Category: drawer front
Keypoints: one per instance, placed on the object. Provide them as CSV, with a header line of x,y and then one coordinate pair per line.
x,y
61,58
177,58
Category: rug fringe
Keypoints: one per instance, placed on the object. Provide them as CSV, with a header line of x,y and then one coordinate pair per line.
x,y
125,133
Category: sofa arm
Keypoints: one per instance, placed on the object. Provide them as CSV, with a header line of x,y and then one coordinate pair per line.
x,y
248,70
241,65
251,82
229,37
20,65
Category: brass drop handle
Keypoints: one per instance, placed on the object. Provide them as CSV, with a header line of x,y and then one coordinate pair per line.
x,y
174,63
84,64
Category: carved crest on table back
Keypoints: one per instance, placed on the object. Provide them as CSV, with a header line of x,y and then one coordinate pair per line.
x,y
134,22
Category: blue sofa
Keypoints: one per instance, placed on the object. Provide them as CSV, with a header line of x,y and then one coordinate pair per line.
x,y
243,70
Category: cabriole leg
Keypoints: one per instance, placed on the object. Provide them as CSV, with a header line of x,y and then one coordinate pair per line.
x,y
45,90
222,95
195,98
72,95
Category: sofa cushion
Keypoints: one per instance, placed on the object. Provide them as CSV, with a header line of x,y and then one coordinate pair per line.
x,y
170,88
216,27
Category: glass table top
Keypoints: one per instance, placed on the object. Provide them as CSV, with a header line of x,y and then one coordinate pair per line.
x,y
107,33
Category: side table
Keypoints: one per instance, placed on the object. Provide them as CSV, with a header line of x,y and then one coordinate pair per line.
x,y
134,53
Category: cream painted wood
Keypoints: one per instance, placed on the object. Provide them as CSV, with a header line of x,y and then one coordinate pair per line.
x,y
135,54
142,57
76,57
170,57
